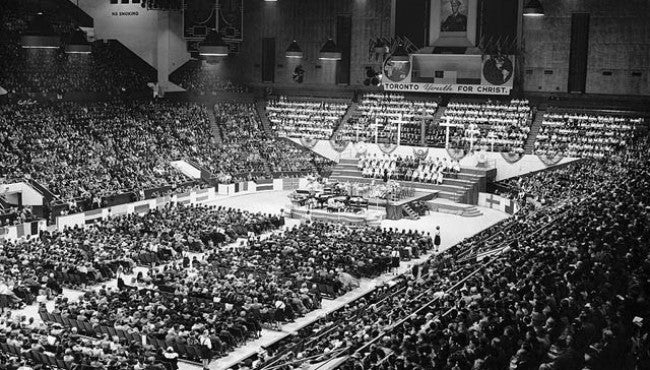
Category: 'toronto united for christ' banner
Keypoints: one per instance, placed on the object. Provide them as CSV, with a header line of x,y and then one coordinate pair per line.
x,y
451,74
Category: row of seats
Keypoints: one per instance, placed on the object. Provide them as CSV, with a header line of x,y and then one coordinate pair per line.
x,y
305,118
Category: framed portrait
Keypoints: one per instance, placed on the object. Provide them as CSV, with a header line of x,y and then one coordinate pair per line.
x,y
453,23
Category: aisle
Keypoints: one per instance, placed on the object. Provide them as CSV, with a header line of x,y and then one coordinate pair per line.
x,y
453,230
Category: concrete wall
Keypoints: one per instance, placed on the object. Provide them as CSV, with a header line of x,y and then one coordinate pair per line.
x,y
619,42
137,29
30,197
310,23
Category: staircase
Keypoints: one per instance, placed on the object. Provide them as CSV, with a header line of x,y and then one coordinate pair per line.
x,y
437,117
351,112
260,106
214,126
462,189
529,148
410,212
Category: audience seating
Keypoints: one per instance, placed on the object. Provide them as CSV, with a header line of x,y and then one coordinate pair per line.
x,y
383,111
503,127
305,118
579,134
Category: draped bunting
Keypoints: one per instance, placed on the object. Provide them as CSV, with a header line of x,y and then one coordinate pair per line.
x,y
338,143
308,142
512,157
420,154
456,154
387,148
551,159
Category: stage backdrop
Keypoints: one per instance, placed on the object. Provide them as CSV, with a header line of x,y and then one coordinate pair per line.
x,y
452,74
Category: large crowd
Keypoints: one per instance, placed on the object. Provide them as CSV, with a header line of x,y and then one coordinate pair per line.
x,y
382,115
502,127
567,291
203,78
248,152
305,118
97,149
583,135
84,256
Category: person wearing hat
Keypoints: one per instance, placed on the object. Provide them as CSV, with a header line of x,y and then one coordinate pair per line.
x,y
170,357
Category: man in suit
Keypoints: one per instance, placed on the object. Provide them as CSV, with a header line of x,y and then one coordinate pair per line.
x,y
456,21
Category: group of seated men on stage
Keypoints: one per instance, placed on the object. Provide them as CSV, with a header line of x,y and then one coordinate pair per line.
x,y
567,293
407,168
305,118
577,134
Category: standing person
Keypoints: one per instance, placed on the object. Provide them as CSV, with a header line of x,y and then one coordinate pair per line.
x,y
206,348
436,239
394,261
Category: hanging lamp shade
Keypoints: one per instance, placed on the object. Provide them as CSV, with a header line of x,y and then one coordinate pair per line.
x,y
533,8
40,34
78,43
400,55
294,50
330,51
213,46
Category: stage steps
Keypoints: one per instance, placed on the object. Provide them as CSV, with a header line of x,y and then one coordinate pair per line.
x,y
462,187
445,206
410,212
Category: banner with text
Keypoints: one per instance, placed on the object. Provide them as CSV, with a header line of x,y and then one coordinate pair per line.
x,y
450,74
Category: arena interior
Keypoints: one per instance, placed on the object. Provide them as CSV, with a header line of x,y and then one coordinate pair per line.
x,y
324,184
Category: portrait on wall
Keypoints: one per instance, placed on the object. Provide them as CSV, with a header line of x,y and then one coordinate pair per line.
x,y
453,23
453,16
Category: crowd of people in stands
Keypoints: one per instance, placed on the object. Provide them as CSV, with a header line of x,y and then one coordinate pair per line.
x,y
111,69
408,168
577,134
381,112
94,150
502,127
97,149
205,79
305,118
248,152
